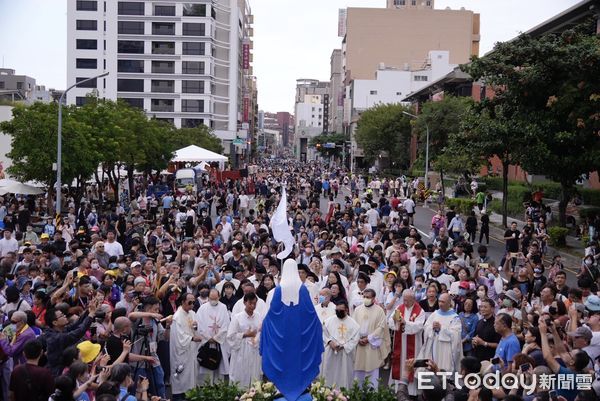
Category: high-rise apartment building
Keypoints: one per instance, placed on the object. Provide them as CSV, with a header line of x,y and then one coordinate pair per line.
x,y
187,62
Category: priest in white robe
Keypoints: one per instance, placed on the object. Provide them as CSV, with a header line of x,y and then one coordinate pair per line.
x,y
325,308
261,306
407,323
243,337
374,343
442,335
183,348
340,335
213,321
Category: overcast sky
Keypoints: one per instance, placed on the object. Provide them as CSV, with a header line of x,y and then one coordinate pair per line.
x,y
292,38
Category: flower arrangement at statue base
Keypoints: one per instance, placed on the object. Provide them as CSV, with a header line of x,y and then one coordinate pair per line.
x,y
266,391
260,391
320,392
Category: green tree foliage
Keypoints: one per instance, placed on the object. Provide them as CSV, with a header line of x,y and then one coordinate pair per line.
x,y
385,128
102,132
333,137
444,120
550,88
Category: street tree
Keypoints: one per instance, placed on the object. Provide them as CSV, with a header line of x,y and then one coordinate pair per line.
x,y
550,85
319,141
385,127
443,119
33,131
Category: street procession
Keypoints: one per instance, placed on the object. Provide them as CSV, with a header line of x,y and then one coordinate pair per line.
x,y
422,226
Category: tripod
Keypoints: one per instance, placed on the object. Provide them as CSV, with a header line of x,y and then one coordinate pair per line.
x,y
141,334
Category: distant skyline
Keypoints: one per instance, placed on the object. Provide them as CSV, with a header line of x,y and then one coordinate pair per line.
x,y
292,39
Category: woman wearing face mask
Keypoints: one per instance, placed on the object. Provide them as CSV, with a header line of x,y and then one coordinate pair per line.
x,y
482,292
394,298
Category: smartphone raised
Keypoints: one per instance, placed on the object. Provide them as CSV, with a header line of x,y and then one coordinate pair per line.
x,y
496,360
420,363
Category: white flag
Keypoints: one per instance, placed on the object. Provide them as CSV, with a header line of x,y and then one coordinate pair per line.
x,y
281,227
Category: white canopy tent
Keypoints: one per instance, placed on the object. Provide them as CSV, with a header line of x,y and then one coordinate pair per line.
x,y
193,153
20,189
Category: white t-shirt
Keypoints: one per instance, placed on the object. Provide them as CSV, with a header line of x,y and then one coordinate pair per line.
x,y
113,248
409,205
8,245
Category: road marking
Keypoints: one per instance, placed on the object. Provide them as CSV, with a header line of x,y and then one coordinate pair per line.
x,y
422,233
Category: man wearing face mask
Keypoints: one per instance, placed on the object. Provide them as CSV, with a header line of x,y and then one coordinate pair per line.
x,y
22,334
227,277
374,342
213,321
325,308
340,335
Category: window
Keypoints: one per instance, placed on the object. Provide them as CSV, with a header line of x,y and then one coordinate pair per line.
x,y
131,27
87,25
192,86
192,106
81,101
87,63
195,48
133,102
131,8
2,83
398,93
413,2
130,46
130,66
372,92
191,122
20,85
163,86
83,5
164,10
163,67
420,77
90,84
83,44
399,2
192,67
428,3
193,29
130,85
194,10
163,28
162,105
163,47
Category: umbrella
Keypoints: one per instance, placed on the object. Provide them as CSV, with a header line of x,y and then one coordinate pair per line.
x,y
20,188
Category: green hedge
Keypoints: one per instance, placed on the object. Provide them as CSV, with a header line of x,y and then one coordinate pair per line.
x,y
590,212
558,236
590,196
461,205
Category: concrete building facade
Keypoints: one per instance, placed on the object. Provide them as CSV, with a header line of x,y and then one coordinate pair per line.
x,y
402,38
311,113
186,62
336,93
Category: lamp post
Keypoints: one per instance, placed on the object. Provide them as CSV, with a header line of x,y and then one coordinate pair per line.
x,y
426,147
59,144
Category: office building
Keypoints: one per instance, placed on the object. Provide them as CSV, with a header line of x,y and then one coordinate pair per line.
x,y
186,62
311,112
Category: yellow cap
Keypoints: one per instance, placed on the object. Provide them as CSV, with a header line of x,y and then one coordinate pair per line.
x,y
88,351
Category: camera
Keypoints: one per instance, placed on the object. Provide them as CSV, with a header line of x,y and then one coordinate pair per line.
x,y
142,330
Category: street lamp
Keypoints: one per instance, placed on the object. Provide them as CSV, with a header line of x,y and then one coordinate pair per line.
x,y
426,147
59,145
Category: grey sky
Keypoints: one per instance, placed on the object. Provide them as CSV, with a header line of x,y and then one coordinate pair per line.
x,y
293,38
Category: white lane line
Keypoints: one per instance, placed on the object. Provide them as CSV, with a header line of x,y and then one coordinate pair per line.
x,y
422,233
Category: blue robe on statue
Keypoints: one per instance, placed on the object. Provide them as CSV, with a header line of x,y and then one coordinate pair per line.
x,y
291,345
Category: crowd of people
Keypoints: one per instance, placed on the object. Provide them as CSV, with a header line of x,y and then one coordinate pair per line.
x,y
148,298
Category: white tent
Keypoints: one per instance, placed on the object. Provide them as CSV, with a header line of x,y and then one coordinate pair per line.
x,y
195,153
21,189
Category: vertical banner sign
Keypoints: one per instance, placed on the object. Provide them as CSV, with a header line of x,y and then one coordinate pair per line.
x,y
246,55
246,109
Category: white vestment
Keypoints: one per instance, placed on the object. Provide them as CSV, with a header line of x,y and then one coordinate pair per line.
x,y
261,307
325,312
338,366
213,322
183,352
413,324
245,364
443,347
